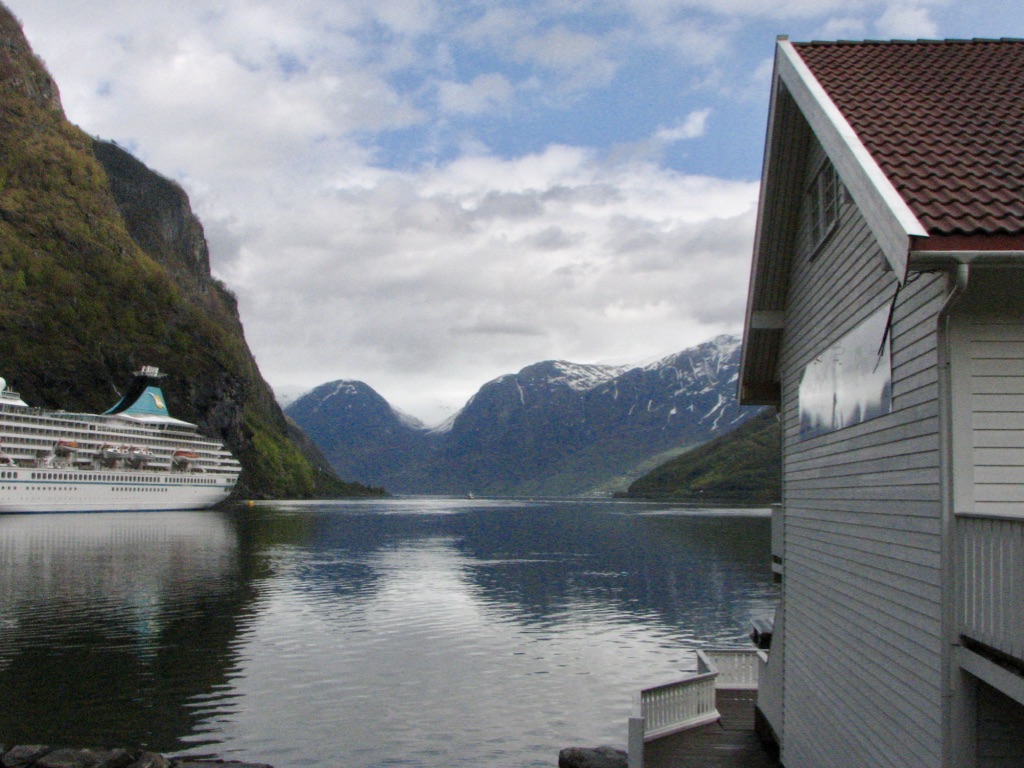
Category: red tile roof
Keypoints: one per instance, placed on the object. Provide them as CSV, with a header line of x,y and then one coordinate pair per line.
x,y
943,119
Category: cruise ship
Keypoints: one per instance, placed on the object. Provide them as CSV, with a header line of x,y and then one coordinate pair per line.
x,y
136,456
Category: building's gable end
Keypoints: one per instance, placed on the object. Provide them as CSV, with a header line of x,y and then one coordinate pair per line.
x,y
888,215
801,112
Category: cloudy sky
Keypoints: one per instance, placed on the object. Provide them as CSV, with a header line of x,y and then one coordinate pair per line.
x,y
426,194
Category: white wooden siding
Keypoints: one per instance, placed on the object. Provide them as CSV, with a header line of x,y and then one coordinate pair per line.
x,y
988,400
863,671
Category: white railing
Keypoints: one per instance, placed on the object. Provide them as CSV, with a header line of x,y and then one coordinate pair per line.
x,y
737,670
662,710
991,582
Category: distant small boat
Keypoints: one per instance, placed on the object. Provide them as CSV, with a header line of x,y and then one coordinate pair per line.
x,y
470,495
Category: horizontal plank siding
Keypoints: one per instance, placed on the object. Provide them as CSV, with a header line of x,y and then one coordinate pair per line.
x,y
862,524
988,383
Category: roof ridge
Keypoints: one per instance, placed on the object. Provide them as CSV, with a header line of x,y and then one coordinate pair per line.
x,y
919,41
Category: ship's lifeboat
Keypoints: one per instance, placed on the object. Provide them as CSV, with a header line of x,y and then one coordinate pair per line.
x,y
64,448
138,458
182,460
111,456
5,460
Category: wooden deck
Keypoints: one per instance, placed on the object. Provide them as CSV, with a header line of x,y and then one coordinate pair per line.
x,y
732,743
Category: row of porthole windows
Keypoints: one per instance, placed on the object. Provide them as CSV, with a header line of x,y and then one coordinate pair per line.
x,y
76,477
131,488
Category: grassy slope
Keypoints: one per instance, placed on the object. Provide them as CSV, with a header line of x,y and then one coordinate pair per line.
x,y
744,465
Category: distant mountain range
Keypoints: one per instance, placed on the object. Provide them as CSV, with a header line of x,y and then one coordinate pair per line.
x,y
554,428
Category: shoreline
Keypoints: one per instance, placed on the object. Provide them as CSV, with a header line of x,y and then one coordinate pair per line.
x,y
44,756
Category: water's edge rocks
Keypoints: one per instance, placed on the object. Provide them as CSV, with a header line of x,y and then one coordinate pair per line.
x,y
592,757
42,756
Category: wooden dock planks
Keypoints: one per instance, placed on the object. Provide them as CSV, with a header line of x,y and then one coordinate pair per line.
x,y
731,743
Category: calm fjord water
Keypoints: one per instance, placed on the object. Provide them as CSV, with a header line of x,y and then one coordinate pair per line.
x,y
413,632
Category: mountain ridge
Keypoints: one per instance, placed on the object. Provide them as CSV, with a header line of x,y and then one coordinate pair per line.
x,y
554,427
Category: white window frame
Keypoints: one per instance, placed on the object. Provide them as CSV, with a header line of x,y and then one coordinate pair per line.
x,y
826,195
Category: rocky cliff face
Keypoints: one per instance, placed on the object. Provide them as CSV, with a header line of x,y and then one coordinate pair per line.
x,y
553,428
21,70
159,218
103,269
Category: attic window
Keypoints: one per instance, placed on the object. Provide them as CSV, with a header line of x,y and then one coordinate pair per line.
x,y
825,198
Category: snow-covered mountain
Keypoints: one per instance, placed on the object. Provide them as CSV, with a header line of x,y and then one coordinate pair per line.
x,y
554,427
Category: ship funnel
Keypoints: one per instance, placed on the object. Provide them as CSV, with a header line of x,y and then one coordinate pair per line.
x,y
142,396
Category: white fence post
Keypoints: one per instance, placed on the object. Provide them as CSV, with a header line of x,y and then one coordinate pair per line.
x,y
636,734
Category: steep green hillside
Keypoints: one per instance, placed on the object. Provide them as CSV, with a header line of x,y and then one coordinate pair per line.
x,y
744,465
90,295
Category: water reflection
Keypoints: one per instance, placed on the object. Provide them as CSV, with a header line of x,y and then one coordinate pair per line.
x,y
424,632
99,612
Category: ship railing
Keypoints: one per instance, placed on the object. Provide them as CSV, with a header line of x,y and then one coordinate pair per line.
x,y
690,702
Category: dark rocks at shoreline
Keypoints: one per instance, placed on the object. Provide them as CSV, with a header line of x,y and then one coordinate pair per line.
x,y
592,757
41,756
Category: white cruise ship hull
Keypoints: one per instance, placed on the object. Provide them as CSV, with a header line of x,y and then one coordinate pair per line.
x,y
38,490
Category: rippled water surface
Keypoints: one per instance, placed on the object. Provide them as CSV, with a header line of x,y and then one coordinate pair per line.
x,y
419,632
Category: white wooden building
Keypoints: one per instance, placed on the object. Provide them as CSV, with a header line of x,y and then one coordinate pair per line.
x,y
885,321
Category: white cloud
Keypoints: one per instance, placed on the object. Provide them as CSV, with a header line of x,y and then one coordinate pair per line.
x,y
843,28
691,128
405,17
662,10
423,282
482,94
560,48
485,265
907,20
